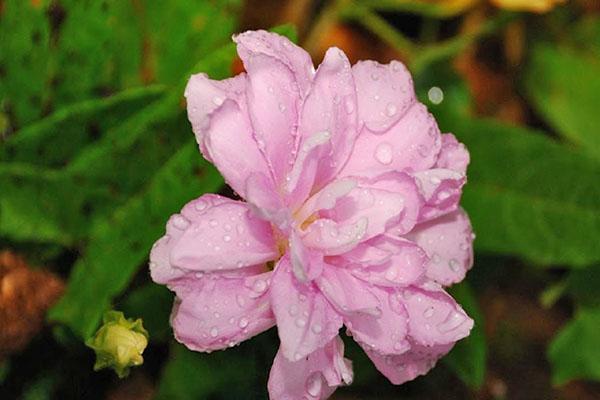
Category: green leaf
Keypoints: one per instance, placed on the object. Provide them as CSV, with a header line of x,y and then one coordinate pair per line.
x,y
564,87
24,55
582,286
189,375
575,351
54,140
189,30
38,204
120,244
152,303
527,195
468,357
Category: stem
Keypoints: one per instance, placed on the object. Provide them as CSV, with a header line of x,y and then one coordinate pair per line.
x,y
326,19
380,27
433,53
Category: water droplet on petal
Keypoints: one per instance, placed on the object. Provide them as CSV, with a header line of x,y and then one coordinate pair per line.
x,y
217,100
200,205
314,384
454,265
243,323
443,195
391,110
259,286
435,258
300,322
214,332
293,310
281,107
428,313
349,106
384,153
240,300
180,222
213,222
316,328
226,238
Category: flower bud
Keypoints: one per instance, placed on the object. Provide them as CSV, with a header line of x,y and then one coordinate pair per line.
x,y
119,343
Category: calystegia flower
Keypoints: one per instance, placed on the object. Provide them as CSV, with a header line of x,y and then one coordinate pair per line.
x,y
349,218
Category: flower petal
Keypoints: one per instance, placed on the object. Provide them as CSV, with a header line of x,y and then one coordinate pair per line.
x,y
280,50
160,257
226,139
441,189
305,319
217,312
448,241
434,317
413,143
385,333
273,103
453,155
407,366
204,96
404,265
385,93
365,209
314,377
348,294
225,236
327,128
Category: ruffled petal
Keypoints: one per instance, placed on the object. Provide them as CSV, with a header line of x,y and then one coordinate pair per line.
x,y
448,241
434,317
273,103
280,50
230,144
348,294
161,269
385,332
204,96
305,319
360,209
441,189
219,311
412,144
327,128
313,377
400,262
453,155
224,236
407,366
385,93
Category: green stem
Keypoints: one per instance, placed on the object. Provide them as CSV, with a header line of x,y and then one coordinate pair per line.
x,y
380,27
328,17
443,50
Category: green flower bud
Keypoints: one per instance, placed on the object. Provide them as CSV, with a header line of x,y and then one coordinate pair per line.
x,y
119,343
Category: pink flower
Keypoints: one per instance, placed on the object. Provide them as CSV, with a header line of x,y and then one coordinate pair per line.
x,y
351,218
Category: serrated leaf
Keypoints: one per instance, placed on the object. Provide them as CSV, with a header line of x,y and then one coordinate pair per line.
x,y
121,243
575,351
528,195
564,87
468,357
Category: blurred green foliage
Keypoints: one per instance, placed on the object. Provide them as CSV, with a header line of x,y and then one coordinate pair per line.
x,y
97,152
